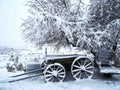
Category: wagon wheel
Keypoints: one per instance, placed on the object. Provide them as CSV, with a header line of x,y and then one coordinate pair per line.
x,y
82,68
54,73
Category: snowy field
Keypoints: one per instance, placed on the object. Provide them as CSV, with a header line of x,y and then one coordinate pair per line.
x,y
38,83
72,85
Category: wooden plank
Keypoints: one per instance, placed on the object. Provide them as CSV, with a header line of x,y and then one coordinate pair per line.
x,y
23,78
111,69
33,71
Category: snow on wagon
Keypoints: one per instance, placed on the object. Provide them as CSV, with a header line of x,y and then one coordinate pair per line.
x,y
57,66
81,66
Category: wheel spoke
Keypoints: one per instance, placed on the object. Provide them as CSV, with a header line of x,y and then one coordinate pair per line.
x,y
54,67
78,63
48,79
90,67
76,70
61,76
54,73
61,73
49,72
60,70
82,68
80,75
53,79
51,68
88,64
77,74
59,79
89,71
76,66
48,75
86,74
85,62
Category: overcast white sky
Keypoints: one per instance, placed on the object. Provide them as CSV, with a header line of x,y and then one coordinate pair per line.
x,y
11,14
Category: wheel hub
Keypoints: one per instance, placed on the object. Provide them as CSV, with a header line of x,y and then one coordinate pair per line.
x,y
83,68
55,73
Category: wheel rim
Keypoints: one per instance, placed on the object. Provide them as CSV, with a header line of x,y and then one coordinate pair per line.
x,y
54,73
82,68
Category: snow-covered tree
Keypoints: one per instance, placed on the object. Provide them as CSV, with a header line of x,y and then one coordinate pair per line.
x,y
60,23
100,28
51,22
113,32
104,11
103,22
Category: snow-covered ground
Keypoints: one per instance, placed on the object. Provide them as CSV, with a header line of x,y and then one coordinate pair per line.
x,y
38,83
72,85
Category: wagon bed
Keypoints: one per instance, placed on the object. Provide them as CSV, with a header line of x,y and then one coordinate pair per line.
x,y
53,57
